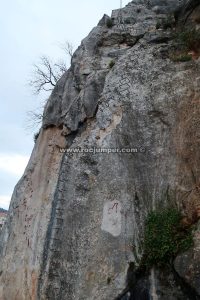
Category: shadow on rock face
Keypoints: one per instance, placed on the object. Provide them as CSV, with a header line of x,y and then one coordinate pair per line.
x,y
138,286
140,291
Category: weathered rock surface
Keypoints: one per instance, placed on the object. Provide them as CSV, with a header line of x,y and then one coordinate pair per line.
x,y
76,220
187,264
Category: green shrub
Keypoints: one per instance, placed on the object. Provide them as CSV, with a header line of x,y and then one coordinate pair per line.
x,y
181,57
164,238
169,22
111,64
189,39
109,23
185,40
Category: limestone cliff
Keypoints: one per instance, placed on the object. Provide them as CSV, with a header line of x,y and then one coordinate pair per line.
x,y
76,220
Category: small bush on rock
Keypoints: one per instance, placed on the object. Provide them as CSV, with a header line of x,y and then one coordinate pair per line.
x,y
109,23
189,39
111,64
185,41
169,22
165,237
181,57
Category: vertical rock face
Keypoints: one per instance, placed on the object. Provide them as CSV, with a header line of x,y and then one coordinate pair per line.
x,y
3,215
25,232
76,218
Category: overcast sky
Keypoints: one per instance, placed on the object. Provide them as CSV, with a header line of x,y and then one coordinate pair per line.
x,y
29,29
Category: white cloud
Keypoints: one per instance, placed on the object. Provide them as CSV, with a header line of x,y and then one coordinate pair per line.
x,y
4,201
13,163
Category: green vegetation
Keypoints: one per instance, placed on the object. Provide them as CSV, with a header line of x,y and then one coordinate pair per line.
x,y
111,64
185,40
169,22
164,238
181,57
189,39
109,23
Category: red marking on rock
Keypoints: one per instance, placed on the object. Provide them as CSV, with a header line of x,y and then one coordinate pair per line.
x,y
115,205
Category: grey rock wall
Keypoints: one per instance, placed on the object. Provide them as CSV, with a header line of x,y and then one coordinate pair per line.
x,y
76,220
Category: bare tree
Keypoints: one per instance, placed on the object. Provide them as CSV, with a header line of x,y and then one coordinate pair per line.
x,y
68,48
34,119
46,74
